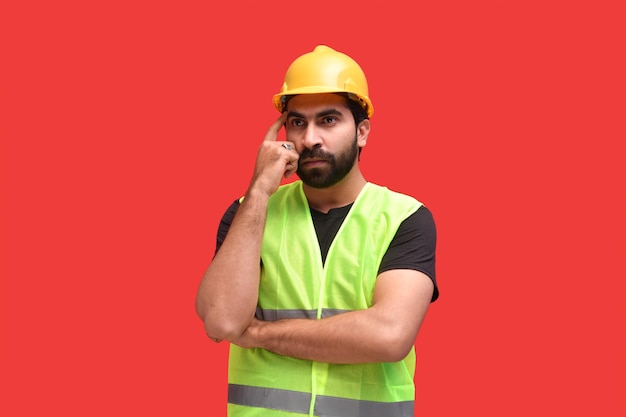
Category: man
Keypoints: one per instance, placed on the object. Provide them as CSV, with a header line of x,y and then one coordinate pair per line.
x,y
320,285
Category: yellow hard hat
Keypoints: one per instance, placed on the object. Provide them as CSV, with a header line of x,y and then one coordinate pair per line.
x,y
325,71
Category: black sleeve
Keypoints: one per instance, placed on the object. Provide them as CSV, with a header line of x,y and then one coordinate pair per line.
x,y
413,246
225,223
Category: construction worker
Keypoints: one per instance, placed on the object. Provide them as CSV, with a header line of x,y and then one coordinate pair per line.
x,y
320,284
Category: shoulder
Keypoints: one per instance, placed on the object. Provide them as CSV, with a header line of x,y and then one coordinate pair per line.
x,y
384,192
419,226
391,204
422,219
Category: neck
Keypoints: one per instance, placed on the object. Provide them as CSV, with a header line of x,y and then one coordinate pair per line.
x,y
339,195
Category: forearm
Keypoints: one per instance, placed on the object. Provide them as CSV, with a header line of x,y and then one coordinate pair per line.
x,y
227,297
385,332
354,337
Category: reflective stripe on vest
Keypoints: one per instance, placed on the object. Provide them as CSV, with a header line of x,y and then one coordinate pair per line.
x,y
275,315
298,402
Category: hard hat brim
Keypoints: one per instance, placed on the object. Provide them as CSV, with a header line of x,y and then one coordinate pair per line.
x,y
277,99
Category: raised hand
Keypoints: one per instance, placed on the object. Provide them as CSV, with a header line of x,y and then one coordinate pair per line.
x,y
275,159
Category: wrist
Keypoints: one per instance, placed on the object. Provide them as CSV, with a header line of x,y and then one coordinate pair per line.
x,y
257,193
259,334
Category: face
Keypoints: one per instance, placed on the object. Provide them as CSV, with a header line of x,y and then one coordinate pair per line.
x,y
323,130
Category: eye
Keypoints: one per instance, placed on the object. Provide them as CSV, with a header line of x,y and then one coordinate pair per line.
x,y
297,122
329,119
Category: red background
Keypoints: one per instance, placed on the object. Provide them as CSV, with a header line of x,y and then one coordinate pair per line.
x,y
128,127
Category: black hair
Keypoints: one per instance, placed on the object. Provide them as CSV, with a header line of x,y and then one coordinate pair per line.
x,y
356,108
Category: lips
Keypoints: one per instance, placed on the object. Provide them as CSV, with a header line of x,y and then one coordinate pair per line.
x,y
312,162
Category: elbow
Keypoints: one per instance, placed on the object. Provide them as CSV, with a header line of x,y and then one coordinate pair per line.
x,y
395,353
218,333
219,329
396,346
216,326
221,323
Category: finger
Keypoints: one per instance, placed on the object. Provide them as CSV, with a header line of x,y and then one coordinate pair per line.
x,y
291,168
288,146
272,132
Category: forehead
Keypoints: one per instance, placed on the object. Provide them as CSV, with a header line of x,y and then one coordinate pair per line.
x,y
315,103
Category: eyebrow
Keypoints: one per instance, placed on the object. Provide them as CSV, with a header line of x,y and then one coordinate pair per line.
x,y
329,112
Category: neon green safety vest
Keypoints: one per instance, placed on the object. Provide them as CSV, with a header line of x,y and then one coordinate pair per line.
x,y
295,284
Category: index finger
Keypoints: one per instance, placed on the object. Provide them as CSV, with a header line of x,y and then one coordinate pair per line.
x,y
272,132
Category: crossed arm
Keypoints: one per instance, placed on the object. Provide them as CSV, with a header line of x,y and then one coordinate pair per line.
x,y
384,332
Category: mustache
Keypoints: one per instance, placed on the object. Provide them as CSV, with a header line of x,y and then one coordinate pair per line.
x,y
315,153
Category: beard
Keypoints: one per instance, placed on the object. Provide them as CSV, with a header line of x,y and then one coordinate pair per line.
x,y
338,166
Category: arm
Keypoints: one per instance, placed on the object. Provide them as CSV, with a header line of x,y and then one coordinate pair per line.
x,y
228,293
384,332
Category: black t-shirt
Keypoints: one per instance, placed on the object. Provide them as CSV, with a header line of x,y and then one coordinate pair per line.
x,y
413,246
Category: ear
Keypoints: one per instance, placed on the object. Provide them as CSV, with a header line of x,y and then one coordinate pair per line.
x,y
362,132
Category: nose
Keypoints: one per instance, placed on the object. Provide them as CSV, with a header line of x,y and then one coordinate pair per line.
x,y
311,136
